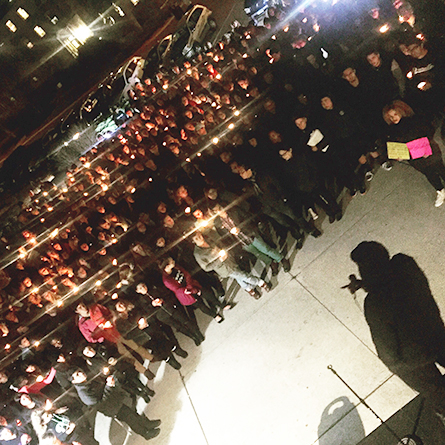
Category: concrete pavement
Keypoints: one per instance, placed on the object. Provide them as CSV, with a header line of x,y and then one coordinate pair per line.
x,y
261,376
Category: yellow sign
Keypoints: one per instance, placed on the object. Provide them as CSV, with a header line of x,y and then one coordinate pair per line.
x,y
398,150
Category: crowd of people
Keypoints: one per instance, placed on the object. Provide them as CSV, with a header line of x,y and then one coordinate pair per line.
x,y
216,163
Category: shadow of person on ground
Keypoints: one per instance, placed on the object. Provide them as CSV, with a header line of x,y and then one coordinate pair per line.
x,y
340,424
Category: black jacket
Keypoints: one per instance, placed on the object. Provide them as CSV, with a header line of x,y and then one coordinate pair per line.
x,y
416,127
106,399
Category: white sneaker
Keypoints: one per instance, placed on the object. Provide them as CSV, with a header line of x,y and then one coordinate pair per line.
x,y
387,166
440,198
313,214
369,175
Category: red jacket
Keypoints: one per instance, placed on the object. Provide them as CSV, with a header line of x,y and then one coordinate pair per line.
x,y
179,288
98,327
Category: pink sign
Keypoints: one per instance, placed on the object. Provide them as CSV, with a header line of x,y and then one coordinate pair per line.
x,y
419,148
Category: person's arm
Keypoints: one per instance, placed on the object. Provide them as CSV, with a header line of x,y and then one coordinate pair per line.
x,y
204,260
191,284
90,334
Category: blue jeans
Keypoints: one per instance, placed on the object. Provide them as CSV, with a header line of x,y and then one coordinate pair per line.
x,y
245,280
263,251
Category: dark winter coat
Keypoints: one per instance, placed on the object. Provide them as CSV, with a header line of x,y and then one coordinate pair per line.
x,y
106,399
416,127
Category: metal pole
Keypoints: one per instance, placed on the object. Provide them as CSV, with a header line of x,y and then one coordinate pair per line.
x,y
365,404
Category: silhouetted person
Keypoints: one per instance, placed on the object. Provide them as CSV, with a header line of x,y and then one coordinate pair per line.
x,y
405,322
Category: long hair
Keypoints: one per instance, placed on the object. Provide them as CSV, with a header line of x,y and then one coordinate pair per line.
x,y
399,107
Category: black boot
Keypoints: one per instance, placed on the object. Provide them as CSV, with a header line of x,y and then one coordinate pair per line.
x,y
150,434
179,351
150,424
274,268
149,374
298,237
173,362
315,233
196,338
286,264
149,391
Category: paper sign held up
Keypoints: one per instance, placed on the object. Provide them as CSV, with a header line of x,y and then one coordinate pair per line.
x,y
419,148
398,150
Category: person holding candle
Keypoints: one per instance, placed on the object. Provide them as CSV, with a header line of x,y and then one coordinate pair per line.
x,y
111,399
212,258
232,222
95,325
170,314
189,291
